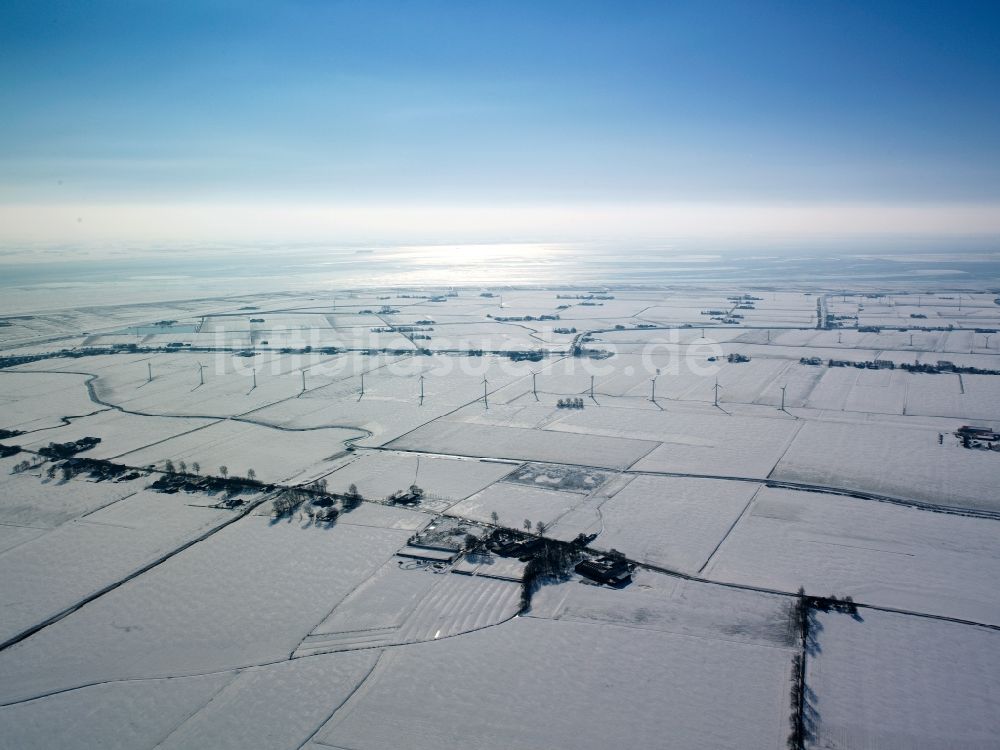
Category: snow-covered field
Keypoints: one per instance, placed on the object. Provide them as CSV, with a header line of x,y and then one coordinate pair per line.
x,y
897,460
30,499
878,553
171,620
246,596
514,503
40,400
892,681
399,606
530,445
53,571
273,706
241,446
119,432
699,442
379,474
550,679
538,683
673,522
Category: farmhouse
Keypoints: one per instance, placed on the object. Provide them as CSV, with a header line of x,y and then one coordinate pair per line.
x,y
613,571
977,433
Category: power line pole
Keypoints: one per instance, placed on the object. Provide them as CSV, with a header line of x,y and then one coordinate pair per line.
x,y
783,397
717,387
534,384
421,390
254,378
486,398
149,367
362,382
303,381
201,374
592,388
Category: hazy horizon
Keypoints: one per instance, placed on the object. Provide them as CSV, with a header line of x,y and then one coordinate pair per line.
x,y
431,122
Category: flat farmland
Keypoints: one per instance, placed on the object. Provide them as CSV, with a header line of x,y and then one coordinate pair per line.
x,y
891,681
899,461
529,445
878,553
653,599
673,522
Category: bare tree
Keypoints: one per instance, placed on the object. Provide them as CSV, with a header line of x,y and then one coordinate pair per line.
x,y
195,467
251,474
527,524
352,499
495,518
168,466
327,515
224,470
183,467
284,504
540,528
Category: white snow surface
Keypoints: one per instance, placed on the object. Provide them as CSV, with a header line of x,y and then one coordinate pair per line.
x,y
904,683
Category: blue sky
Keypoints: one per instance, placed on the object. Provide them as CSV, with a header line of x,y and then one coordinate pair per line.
x,y
458,104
